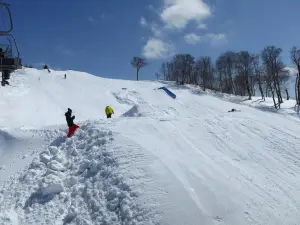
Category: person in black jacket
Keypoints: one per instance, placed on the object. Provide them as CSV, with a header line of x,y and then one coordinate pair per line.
x,y
70,122
69,117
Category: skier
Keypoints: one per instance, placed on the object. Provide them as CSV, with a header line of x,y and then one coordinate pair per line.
x,y
70,121
109,111
46,67
65,76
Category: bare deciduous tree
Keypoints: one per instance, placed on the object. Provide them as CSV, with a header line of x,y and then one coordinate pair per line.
x,y
258,72
275,71
225,65
244,65
138,63
183,66
204,69
295,55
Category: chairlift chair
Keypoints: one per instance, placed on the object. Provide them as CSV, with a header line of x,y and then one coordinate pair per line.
x,y
8,63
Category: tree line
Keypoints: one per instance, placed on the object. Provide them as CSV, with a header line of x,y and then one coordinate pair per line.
x,y
237,73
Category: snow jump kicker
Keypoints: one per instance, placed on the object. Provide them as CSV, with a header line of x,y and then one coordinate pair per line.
x,y
170,93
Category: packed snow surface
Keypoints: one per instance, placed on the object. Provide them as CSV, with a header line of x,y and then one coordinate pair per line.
x,y
157,161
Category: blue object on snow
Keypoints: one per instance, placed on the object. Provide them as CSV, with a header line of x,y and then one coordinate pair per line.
x,y
170,93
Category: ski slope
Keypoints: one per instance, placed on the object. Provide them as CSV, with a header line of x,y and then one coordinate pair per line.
x,y
159,160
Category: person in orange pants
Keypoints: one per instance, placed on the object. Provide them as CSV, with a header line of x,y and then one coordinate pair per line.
x,y
70,121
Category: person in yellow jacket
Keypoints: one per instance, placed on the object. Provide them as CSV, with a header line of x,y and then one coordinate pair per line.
x,y
109,111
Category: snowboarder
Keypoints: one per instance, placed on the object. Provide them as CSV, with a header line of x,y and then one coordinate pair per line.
x,y
109,111
234,110
65,76
70,121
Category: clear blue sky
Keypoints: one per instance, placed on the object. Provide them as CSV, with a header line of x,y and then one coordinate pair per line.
x,y
101,36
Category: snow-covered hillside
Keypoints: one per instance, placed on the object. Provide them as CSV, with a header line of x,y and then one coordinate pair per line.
x,y
157,161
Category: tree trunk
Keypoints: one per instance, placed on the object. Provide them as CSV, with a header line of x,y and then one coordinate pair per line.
x,y
298,85
287,95
232,86
260,88
267,89
273,95
296,90
248,86
137,74
279,90
220,82
204,80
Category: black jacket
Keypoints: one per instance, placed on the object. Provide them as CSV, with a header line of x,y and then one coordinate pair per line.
x,y
69,118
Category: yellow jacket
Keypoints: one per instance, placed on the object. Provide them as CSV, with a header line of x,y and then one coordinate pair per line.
x,y
109,110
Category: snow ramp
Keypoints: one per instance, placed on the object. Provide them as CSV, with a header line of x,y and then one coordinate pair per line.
x,y
151,112
81,180
143,110
170,93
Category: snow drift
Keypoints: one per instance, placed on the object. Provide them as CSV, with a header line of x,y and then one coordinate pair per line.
x,y
143,110
75,181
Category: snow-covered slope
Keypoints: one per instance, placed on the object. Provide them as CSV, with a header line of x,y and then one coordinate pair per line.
x,y
157,161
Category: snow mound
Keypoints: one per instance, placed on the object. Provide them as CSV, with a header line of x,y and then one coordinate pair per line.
x,y
147,111
74,181
143,110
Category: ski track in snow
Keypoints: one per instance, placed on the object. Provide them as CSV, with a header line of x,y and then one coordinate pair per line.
x,y
236,161
157,161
